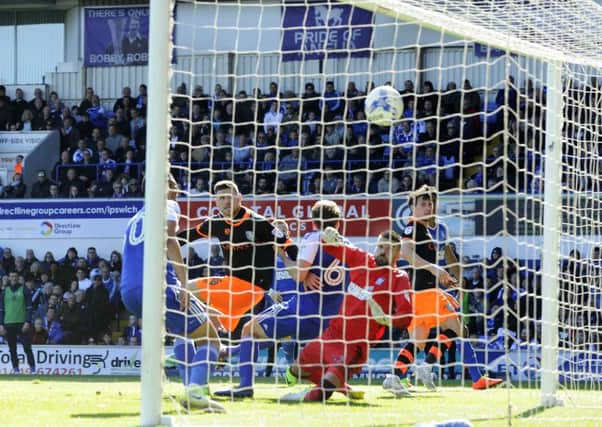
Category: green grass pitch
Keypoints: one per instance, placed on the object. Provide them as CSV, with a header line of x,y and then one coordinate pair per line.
x,y
104,401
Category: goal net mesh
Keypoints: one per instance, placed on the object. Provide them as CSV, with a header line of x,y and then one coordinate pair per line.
x,y
270,95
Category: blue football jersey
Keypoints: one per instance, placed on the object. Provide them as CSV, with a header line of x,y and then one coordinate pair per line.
x,y
133,250
334,277
283,282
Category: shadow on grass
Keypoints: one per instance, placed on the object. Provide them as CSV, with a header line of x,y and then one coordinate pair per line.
x,y
414,395
531,412
102,415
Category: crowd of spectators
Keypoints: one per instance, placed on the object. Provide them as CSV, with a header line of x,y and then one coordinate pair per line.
x,y
503,301
76,299
282,142
101,151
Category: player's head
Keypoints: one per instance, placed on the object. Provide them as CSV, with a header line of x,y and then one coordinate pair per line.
x,y
423,203
281,225
325,213
388,248
227,198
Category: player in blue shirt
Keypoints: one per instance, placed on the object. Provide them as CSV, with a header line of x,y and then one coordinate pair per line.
x,y
321,280
186,316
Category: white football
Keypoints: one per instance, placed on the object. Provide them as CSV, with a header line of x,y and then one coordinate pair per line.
x,y
383,106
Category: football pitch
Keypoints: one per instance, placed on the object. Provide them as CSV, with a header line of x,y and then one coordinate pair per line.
x,y
103,401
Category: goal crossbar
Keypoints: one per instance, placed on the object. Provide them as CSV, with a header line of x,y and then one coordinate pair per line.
x,y
473,22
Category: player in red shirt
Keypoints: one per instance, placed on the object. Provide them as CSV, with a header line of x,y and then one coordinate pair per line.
x,y
379,296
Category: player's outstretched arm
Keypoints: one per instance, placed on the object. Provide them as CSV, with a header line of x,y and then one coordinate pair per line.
x,y
174,254
350,255
300,271
290,264
408,252
357,260
201,231
376,311
452,262
378,314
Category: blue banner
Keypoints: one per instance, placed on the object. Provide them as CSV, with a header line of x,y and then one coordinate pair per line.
x,y
481,50
115,36
314,32
70,210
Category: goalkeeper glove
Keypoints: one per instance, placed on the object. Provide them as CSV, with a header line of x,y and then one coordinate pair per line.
x,y
378,313
331,236
376,310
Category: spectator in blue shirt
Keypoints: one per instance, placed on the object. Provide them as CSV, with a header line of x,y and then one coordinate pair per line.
x,y
331,104
423,161
404,136
132,330
141,99
78,154
360,125
55,330
289,168
98,114
105,161
291,139
92,258
242,153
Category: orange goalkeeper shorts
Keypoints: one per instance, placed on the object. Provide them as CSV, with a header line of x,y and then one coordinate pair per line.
x,y
432,307
232,296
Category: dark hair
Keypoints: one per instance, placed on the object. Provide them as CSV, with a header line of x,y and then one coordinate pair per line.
x,y
325,213
424,191
225,185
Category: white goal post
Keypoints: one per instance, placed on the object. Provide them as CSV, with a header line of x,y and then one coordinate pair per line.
x,y
551,238
157,167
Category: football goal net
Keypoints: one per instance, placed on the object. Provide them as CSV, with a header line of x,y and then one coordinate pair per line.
x,y
502,116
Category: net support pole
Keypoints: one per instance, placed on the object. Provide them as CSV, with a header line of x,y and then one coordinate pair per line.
x,y
155,207
551,236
